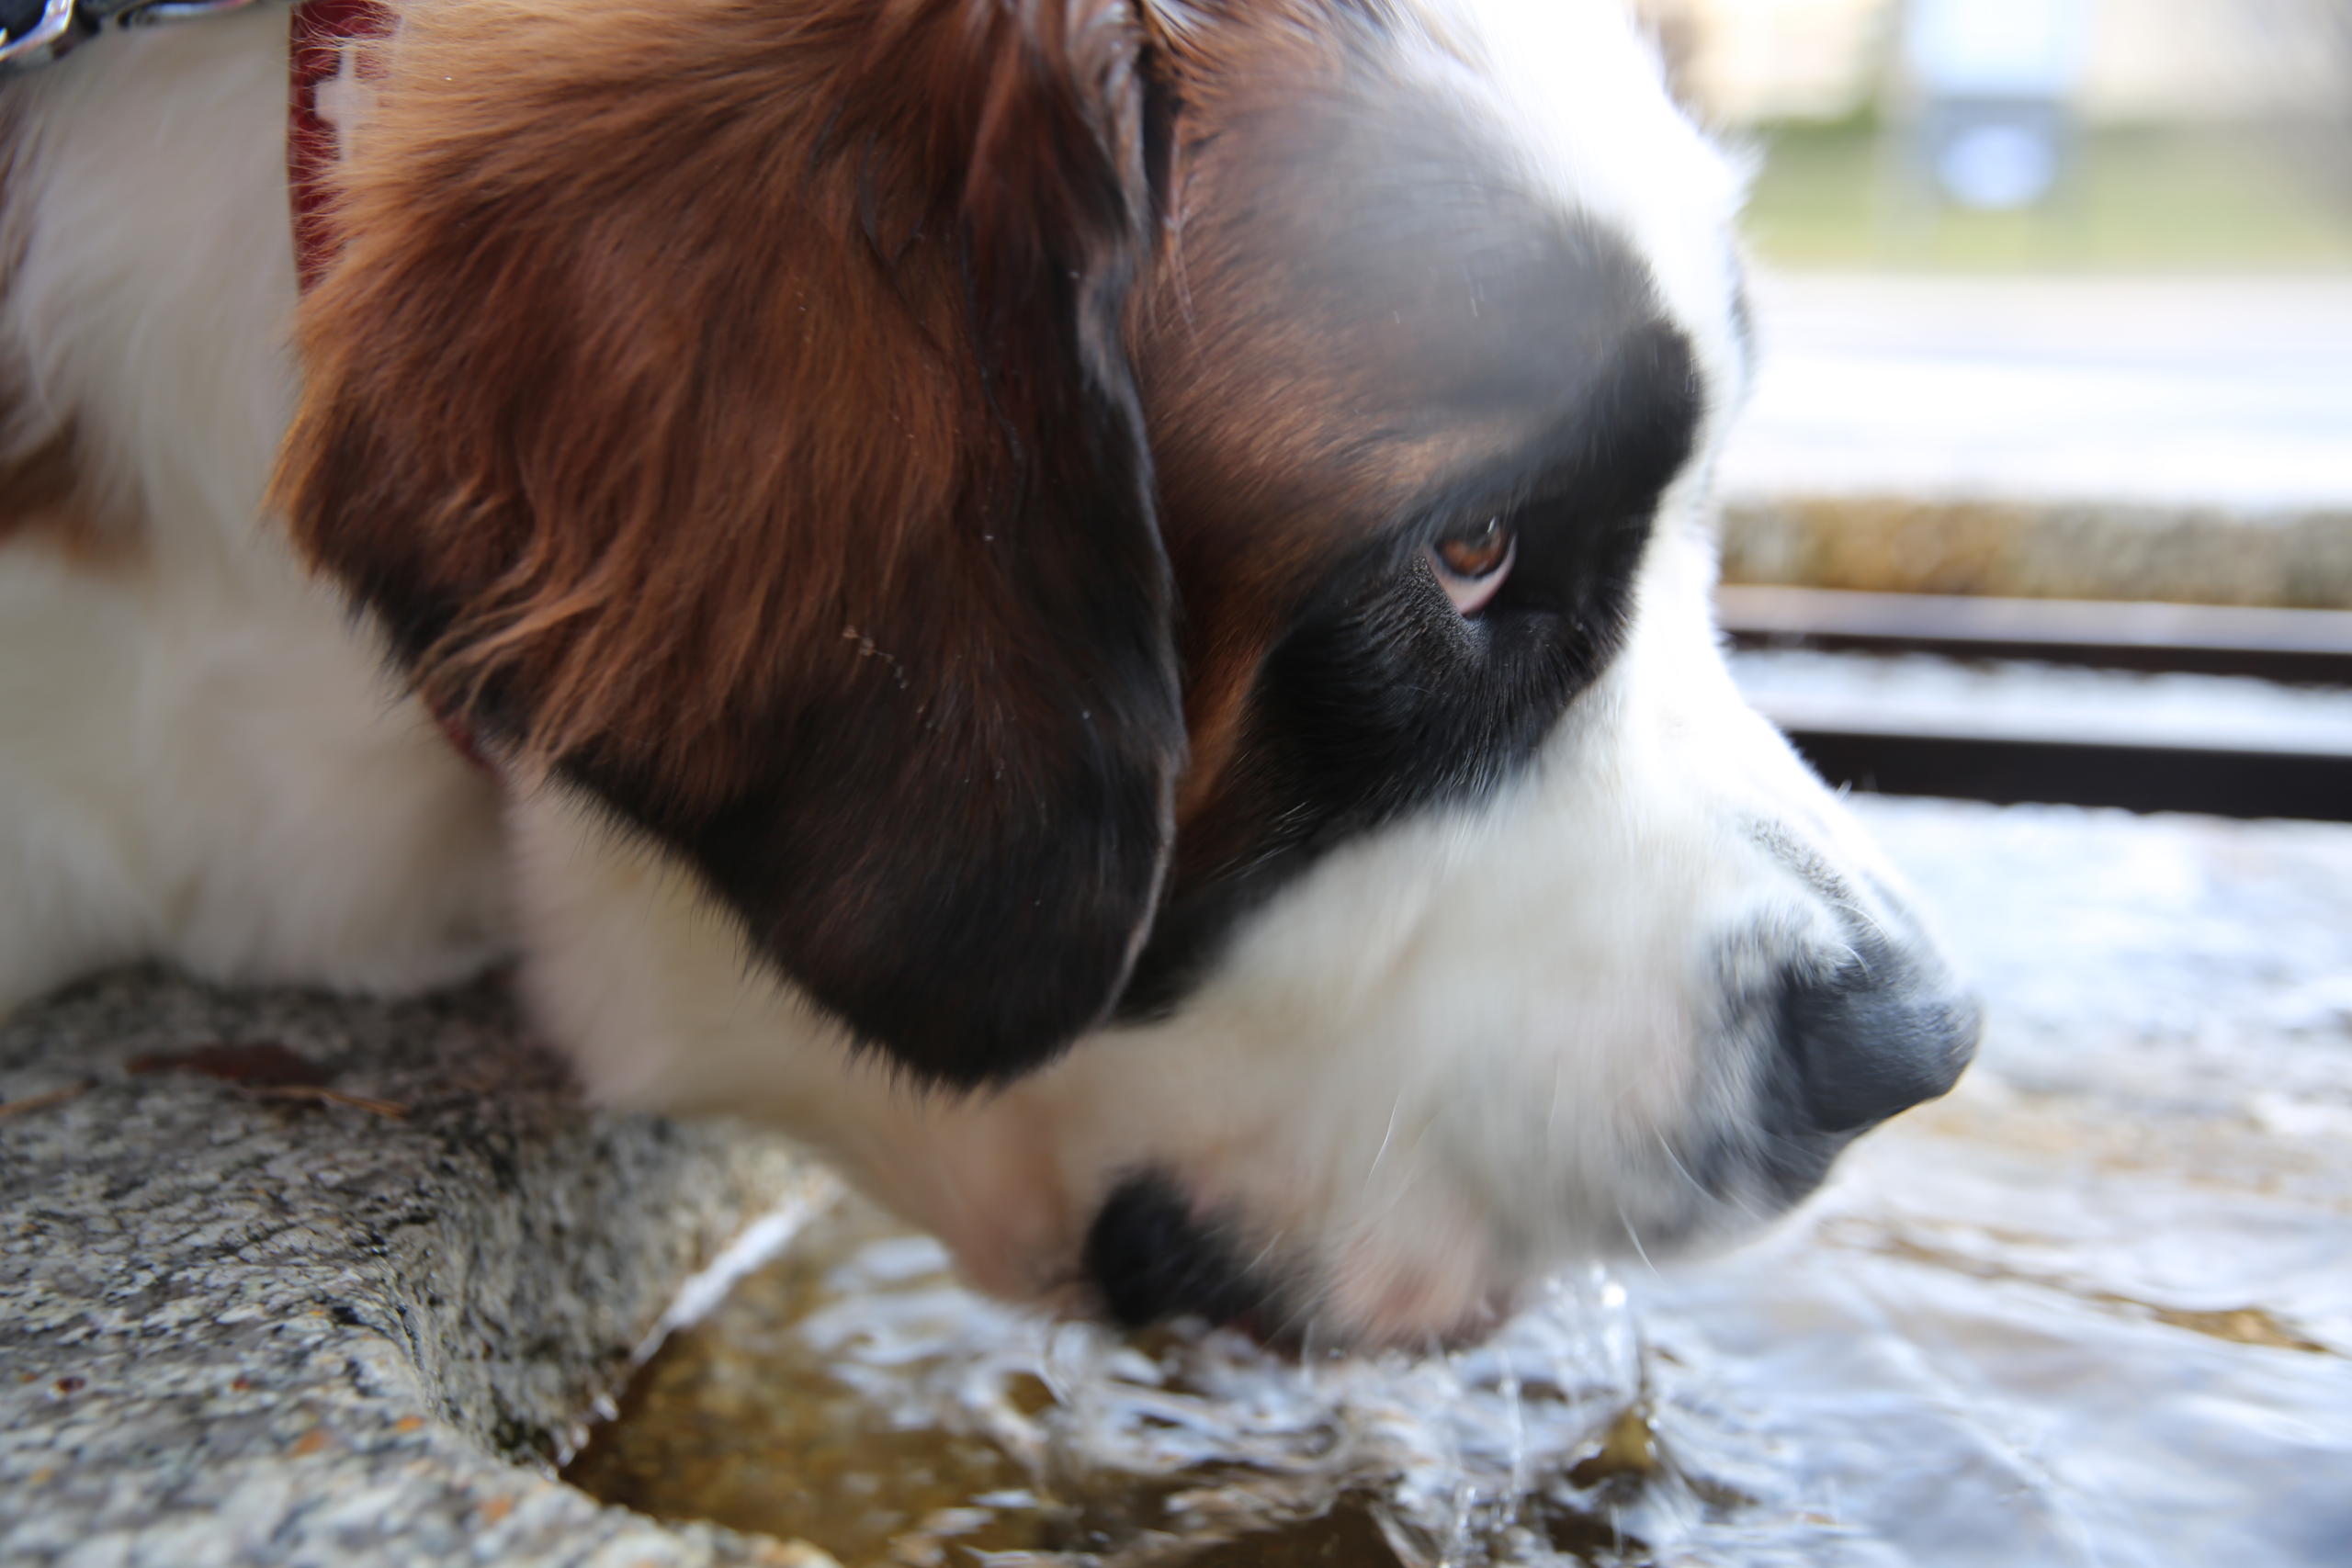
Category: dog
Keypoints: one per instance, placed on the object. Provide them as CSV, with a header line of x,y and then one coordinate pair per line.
x,y
1100,607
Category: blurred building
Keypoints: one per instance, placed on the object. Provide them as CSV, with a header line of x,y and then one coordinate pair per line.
x,y
1743,61
2141,62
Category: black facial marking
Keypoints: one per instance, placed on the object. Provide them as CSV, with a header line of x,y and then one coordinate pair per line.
x,y
1149,1260
1384,700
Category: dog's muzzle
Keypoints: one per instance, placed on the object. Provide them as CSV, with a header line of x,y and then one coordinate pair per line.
x,y
1825,1050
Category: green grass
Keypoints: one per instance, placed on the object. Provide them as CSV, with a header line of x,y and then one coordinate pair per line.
x,y
2142,201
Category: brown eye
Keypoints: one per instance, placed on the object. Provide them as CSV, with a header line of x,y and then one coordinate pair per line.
x,y
1471,566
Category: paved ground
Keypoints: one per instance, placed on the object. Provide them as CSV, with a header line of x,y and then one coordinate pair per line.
x,y
2233,393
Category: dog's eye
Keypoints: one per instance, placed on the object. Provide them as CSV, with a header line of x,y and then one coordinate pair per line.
x,y
1470,565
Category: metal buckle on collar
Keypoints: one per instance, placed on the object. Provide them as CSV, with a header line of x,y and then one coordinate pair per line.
x,y
64,23
57,31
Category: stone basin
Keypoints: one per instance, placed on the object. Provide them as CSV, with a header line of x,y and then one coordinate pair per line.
x,y
292,1280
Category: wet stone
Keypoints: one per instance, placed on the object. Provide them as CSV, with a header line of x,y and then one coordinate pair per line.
x,y
1349,1536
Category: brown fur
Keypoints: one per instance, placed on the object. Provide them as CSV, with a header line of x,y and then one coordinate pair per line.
x,y
728,346
787,422
728,411
37,488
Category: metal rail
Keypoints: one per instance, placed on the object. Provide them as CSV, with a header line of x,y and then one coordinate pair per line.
x,y
1875,741
2299,647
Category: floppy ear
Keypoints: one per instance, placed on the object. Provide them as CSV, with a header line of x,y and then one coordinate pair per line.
x,y
724,410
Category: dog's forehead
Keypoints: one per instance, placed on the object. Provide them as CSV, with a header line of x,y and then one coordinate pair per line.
x,y
1415,264
1375,278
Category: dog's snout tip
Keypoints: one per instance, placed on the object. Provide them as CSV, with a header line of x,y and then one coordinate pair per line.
x,y
1967,1034
1868,1052
1944,1042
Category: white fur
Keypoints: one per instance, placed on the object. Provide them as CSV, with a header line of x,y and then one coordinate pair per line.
x,y
199,758
1450,1056
1579,94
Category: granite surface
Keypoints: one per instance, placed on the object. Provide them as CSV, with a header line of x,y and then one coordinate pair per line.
x,y
2216,393
287,1280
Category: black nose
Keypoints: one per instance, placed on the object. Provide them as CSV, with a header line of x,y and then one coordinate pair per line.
x,y
1150,1258
1876,1036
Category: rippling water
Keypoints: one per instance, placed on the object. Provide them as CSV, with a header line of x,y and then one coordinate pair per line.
x,y
2095,1309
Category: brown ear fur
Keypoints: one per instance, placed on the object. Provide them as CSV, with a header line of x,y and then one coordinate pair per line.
x,y
725,409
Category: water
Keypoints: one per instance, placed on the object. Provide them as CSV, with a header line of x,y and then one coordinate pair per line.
x,y
853,1395
2095,1309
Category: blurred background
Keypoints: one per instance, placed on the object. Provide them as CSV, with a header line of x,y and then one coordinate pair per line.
x,y
2030,135
2054,312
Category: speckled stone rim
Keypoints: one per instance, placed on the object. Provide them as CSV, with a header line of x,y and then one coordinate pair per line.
x,y
289,1280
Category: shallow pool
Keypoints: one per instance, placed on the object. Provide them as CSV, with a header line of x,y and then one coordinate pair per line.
x,y
2095,1308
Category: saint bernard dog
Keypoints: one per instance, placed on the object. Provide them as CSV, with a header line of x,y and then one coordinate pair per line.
x,y
1100,607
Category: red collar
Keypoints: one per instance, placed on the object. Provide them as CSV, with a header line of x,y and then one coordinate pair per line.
x,y
327,57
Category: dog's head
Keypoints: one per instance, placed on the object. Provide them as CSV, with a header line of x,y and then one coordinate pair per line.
x,y
1150,556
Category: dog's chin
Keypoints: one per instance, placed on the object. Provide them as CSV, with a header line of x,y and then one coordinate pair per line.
x,y
1147,1256
1444,1272
1427,1266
